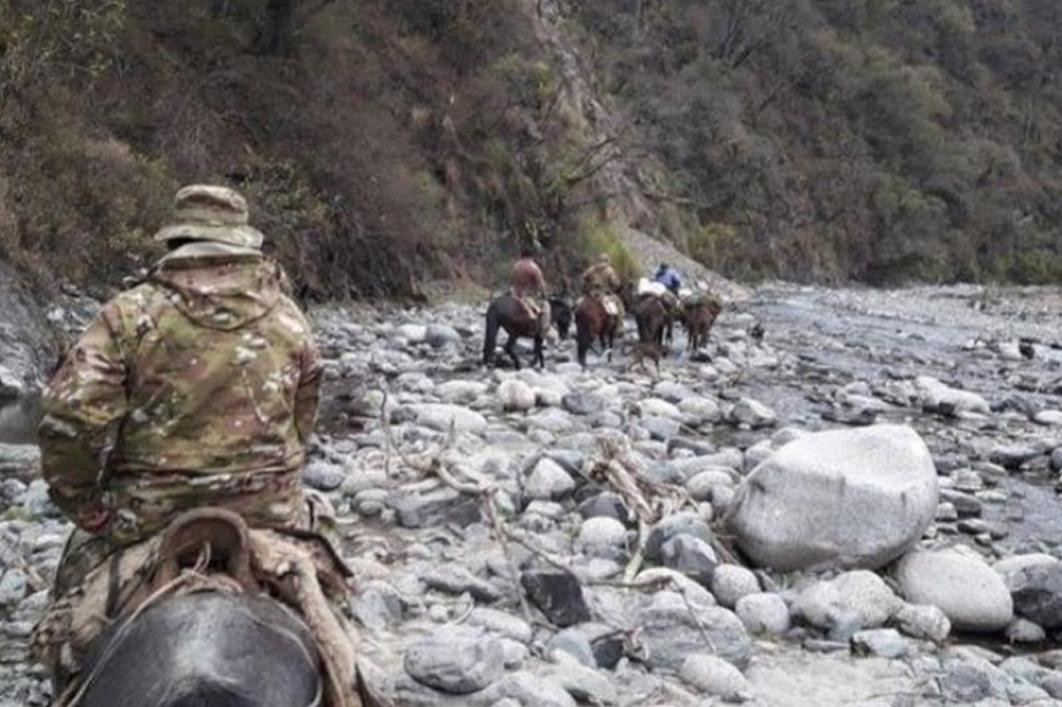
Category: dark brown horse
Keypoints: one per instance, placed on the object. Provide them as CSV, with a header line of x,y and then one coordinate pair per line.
x,y
654,319
592,321
509,313
698,317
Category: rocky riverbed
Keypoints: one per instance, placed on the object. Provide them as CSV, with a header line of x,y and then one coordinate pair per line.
x,y
906,557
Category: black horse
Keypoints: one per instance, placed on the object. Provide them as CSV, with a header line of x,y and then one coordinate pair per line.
x,y
509,313
206,650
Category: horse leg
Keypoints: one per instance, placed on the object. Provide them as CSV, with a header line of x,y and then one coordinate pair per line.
x,y
540,358
582,343
510,348
490,338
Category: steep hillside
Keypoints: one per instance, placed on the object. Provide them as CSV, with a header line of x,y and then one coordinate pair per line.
x,y
873,139
386,143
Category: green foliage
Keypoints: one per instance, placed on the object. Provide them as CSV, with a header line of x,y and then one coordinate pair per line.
x,y
386,143
875,139
595,237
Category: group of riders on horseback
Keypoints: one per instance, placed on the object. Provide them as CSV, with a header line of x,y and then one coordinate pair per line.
x,y
526,311
200,570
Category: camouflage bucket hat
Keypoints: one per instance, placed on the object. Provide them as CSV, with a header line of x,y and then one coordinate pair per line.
x,y
209,213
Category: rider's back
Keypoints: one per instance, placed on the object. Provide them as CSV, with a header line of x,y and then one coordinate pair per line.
x,y
212,371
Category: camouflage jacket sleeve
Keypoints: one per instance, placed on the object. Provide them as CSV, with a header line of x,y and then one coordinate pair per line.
x,y
82,402
308,392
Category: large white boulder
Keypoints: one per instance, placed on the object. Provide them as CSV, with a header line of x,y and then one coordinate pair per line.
x,y
970,593
842,498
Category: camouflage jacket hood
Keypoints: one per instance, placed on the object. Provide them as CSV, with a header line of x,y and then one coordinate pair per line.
x,y
223,294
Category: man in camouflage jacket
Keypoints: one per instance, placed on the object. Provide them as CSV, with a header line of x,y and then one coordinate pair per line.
x,y
198,387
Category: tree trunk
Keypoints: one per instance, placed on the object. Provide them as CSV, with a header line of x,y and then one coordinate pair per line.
x,y
276,27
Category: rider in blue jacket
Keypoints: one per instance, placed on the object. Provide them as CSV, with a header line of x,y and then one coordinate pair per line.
x,y
668,277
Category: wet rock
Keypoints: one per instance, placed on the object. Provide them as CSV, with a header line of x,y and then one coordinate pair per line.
x,y
867,596
454,662
937,397
654,407
558,595
526,690
1025,631
1015,563
763,614
701,409
752,413
583,683
323,476
500,623
411,333
548,481
732,582
12,386
846,604
601,537
437,506
967,480
1048,418
714,676
661,428
460,391
442,417
683,523
671,630
965,683
1037,594
691,556
14,586
441,335
702,485
606,505
455,579
839,498
966,506
19,460
608,650
516,395
923,621
575,644
1056,459
581,403
946,513
1012,456
967,590
36,501
881,642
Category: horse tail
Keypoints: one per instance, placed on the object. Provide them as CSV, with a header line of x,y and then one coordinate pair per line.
x,y
490,336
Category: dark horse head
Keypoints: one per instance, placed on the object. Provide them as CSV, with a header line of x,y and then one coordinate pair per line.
x,y
561,312
206,650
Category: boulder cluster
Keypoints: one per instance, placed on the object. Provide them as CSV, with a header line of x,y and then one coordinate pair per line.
x,y
823,516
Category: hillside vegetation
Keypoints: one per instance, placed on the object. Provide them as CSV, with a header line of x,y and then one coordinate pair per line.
x,y
383,143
